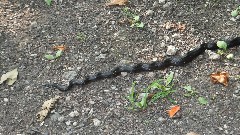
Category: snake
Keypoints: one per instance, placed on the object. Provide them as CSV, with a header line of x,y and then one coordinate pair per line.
x,y
146,67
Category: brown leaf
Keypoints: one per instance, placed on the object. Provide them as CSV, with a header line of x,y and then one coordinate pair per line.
x,y
59,47
171,25
181,27
220,77
173,110
47,105
117,2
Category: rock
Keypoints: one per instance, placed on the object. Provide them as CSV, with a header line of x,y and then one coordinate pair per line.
x,y
176,35
151,74
96,122
69,75
171,50
33,24
161,1
68,123
5,99
167,5
149,12
139,77
124,74
161,119
91,102
74,114
192,133
75,123
213,55
61,119
55,116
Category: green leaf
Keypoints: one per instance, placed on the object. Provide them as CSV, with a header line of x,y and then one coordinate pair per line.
x,y
169,78
230,56
234,13
136,18
202,101
144,101
188,88
49,57
58,53
222,45
48,2
140,25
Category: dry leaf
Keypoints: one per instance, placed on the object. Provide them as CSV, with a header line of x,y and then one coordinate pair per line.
x,y
10,77
117,2
181,27
59,47
173,110
47,105
170,25
220,77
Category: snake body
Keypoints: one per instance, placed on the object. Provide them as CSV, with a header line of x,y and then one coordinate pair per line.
x,y
141,67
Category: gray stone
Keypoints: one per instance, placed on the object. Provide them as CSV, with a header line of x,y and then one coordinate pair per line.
x,y
161,1
96,122
149,12
213,55
171,50
74,114
69,75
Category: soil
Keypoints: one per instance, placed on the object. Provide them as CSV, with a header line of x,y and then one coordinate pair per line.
x,y
29,29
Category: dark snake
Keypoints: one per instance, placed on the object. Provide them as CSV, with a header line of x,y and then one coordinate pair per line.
x,y
141,67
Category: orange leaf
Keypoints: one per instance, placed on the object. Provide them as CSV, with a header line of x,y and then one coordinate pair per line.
x,y
173,110
59,47
117,2
220,77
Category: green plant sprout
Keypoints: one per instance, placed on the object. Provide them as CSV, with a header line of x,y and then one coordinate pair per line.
x,y
135,19
163,91
222,45
52,57
81,36
236,12
190,91
48,2
202,101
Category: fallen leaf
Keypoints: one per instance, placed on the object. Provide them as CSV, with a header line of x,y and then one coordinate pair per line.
x,y
202,100
171,25
180,27
10,77
117,2
59,47
46,107
220,77
173,110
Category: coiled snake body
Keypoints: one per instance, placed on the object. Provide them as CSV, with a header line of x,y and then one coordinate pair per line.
x,y
141,67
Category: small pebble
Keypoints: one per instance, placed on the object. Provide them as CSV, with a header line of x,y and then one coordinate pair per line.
x,y
74,114
171,50
5,99
68,123
124,74
161,119
61,119
96,122
75,123
161,1
91,102
149,12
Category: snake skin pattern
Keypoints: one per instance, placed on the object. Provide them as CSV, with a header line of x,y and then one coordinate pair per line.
x,y
141,67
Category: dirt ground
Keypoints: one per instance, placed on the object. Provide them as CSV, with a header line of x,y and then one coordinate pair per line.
x,y
30,28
